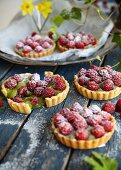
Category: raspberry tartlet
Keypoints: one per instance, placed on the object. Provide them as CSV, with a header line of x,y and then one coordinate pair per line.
x,y
79,40
25,92
83,128
35,46
98,83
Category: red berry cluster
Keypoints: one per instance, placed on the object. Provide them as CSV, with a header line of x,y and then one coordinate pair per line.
x,y
79,40
34,43
96,78
81,122
35,87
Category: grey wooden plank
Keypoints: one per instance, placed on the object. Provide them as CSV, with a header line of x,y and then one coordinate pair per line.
x,y
36,146
4,67
10,128
113,147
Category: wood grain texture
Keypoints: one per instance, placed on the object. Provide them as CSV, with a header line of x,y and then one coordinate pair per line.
x,y
113,147
36,146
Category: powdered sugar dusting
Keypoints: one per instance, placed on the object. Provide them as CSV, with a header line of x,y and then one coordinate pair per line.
x,y
34,128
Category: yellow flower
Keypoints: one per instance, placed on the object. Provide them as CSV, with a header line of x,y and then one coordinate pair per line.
x,y
45,8
27,7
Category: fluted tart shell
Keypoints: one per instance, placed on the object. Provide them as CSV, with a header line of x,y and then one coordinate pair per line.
x,y
96,95
37,55
84,144
49,102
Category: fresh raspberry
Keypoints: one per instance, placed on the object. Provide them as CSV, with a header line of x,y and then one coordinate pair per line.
x,y
95,109
82,72
33,34
118,105
38,49
72,116
105,75
79,45
38,91
59,83
63,40
17,99
42,83
81,134
65,112
86,42
86,113
22,91
117,79
107,85
92,85
48,78
94,120
17,77
35,77
19,45
82,80
91,73
31,85
48,92
105,116
93,41
98,131
11,83
70,36
82,33
49,40
65,128
70,44
28,37
29,42
108,125
27,49
57,119
108,107
35,101
36,37
50,34
40,41
34,45
46,45
97,79
1,102
76,107
77,38
80,123
108,68
94,67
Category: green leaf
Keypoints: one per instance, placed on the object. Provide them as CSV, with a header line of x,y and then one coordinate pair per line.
x,y
53,29
55,36
76,13
57,20
89,1
101,162
117,39
98,58
65,14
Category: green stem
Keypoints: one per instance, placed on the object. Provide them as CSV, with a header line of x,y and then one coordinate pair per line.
x,y
116,65
35,24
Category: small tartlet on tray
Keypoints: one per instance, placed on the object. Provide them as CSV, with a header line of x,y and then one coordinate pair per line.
x,y
79,40
35,46
73,137
45,93
101,84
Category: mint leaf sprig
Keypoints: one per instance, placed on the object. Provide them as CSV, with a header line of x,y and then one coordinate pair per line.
x,y
101,162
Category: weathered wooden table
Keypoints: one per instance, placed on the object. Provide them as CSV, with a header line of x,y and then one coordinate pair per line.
x,y
27,142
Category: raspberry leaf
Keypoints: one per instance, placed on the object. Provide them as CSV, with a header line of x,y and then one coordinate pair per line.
x,y
65,14
76,13
117,39
101,162
89,1
57,20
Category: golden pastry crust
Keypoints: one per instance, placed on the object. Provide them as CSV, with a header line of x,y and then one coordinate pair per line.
x,y
37,55
25,108
96,95
84,144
